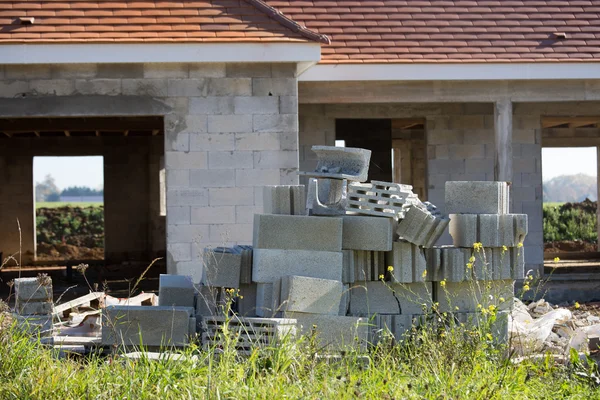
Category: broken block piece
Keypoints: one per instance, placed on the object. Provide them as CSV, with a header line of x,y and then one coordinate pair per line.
x,y
284,199
327,196
341,163
332,332
248,333
294,232
476,197
33,289
146,325
420,227
310,295
272,264
408,263
368,298
472,296
222,267
175,290
491,230
367,233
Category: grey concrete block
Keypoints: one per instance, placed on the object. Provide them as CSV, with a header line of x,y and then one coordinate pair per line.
x,y
420,227
272,264
408,262
292,232
267,299
275,123
348,266
345,300
367,233
147,326
284,200
367,298
222,267
211,105
212,141
332,332
310,295
341,163
33,307
256,105
246,302
246,267
195,269
33,289
498,329
176,290
274,87
229,123
257,177
206,301
491,230
35,324
144,87
473,295
98,87
368,265
397,326
258,141
476,197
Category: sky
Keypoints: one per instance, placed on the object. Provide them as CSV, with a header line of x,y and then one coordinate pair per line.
x,y
558,161
70,171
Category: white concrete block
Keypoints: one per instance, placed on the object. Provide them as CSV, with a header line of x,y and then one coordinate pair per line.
x,y
275,123
186,160
272,264
310,295
256,105
212,141
187,197
187,233
230,159
275,159
257,177
258,141
229,123
211,178
420,227
275,87
231,196
178,215
179,252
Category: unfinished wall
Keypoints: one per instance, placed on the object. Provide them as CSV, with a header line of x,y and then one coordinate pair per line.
x,y
460,146
128,218
229,130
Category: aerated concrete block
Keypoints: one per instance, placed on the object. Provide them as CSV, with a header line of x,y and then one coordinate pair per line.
x,y
420,227
367,233
147,326
476,197
176,290
341,163
408,261
33,289
294,232
222,267
272,264
284,200
33,307
368,265
332,332
467,296
491,230
310,295
367,298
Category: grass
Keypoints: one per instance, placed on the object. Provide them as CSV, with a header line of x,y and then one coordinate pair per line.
x,y
57,204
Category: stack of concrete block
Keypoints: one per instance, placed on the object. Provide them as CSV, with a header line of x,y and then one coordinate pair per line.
x,y
284,200
33,304
383,199
327,196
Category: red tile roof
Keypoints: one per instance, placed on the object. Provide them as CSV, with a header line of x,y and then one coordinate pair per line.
x,y
376,31
147,21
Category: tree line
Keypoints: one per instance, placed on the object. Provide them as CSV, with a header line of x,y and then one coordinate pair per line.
x,y
48,191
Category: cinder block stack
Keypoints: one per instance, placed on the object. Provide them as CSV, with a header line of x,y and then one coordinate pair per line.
x,y
33,304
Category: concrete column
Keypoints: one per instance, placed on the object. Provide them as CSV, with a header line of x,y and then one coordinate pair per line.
x,y
503,115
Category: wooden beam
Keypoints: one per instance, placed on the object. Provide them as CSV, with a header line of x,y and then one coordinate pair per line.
x,y
125,133
503,115
37,133
572,122
7,134
67,133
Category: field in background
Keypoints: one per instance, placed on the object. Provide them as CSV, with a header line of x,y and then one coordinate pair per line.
x,y
57,204
570,226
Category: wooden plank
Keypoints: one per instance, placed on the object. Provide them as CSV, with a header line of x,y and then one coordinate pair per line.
x,y
572,122
503,115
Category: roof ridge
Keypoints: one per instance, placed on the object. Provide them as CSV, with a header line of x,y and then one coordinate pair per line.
x,y
288,22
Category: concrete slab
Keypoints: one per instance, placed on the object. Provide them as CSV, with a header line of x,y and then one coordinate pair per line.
x,y
272,264
332,332
367,298
176,290
293,232
367,233
476,197
147,326
310,295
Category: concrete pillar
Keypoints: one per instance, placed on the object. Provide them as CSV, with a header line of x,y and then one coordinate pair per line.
x,y
503,115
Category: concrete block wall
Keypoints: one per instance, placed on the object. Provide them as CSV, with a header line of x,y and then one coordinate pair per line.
x,y
229,130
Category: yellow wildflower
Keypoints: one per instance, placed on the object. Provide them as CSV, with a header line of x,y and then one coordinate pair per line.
x,y
390,269
484,311
443,283
469,265
577,305
489,336
502,299
525,287
472,259
479,305
477,246
504,248
556,259
492,308
381,277
424,274
520,245
241,297
456,308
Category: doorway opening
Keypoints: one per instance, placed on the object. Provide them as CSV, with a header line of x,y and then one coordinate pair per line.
x,y
69,208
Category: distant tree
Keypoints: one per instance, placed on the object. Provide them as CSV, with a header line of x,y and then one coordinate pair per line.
x,y
47,190
81,191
